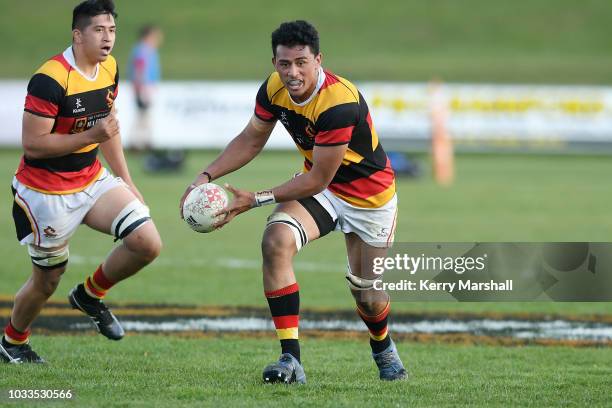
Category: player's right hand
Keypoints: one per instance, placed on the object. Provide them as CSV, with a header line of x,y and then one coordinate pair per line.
x,y
106,128
243,201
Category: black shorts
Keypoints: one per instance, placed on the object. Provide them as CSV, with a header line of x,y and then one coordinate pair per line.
x,y
323,219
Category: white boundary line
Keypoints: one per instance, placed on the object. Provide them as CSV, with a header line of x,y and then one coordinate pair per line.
x,y
557,329
230,263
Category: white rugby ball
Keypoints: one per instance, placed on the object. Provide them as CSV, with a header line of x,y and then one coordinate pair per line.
x,y
201,204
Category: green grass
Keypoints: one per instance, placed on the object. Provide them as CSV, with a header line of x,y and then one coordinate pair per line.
x,y
548,41
161,371
496,198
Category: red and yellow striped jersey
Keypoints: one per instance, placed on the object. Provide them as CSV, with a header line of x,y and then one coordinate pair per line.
x,y
75,102
335,114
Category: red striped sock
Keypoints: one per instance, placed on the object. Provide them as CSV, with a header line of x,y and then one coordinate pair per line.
x,y
14,336
285,308
377,326
98,284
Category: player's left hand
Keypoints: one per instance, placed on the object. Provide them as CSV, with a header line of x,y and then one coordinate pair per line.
x,y
243,201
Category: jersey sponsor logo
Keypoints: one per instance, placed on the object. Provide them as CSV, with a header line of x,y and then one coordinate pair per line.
x,y
87,122
79,125
110,98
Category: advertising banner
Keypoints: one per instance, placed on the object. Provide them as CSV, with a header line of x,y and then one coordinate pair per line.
x,y
208,114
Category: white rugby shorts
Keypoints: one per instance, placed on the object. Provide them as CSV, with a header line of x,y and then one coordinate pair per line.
x,y
375,226
49,220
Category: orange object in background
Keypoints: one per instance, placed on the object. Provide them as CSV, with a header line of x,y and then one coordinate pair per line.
x,y
441,142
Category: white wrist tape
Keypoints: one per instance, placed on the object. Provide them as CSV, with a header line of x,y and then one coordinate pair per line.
x,y
264,198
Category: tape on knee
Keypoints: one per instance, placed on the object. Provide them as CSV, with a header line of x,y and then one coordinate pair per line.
x,y
48,259
301,238
133,216
357,283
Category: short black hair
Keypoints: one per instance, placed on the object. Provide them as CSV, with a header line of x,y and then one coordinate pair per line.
x,y
147,29
294,33
82,14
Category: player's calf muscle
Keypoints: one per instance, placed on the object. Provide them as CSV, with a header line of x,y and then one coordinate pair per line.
x,y
48,284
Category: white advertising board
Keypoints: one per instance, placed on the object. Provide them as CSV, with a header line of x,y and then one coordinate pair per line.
x,y
207,114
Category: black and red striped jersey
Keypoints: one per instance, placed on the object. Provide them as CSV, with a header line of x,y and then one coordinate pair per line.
x,y
335,114
58,90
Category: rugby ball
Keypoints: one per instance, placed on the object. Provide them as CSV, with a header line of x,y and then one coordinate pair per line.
x,y
201,204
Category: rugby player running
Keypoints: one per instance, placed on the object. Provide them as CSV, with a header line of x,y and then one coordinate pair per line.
x,y
346,185
60,183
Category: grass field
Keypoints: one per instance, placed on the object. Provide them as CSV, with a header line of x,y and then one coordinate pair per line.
x,y
496,198
157,371
550,41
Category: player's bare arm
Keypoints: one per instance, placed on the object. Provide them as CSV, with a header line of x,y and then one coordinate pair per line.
x,y
112,150
39,143
326,161
240,151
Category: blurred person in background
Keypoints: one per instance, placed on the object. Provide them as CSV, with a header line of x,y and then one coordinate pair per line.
x,y
145,74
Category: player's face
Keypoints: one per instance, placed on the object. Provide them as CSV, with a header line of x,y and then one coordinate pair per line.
x,y
98,38
158,38
298,68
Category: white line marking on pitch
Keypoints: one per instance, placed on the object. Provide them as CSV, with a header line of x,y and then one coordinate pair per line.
x,y
557,329
230,263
